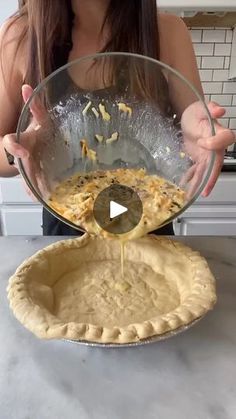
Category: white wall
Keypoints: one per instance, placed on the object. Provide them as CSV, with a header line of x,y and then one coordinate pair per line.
x,y
7,8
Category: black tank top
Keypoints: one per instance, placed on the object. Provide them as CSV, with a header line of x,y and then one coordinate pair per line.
x,y
52,226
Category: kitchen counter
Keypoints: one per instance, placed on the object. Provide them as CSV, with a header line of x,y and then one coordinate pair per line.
x,y
190,376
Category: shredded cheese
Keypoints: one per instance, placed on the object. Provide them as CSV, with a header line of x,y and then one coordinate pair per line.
x,y
99,138
113,138
84,148
87,152
124,108
105,115
84,112
95,112
92,155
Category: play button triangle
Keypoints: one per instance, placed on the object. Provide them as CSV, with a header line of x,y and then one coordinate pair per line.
x,y
116,209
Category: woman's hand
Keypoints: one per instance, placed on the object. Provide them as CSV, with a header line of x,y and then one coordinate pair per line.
x,y
29,150
199,143
219,142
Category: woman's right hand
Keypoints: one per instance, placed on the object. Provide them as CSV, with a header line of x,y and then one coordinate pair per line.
x,y
31,145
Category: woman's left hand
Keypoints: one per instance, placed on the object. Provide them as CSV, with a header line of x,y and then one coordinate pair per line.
x,y
218,143
198,139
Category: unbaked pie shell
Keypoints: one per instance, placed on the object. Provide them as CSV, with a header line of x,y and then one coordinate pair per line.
x,y
30,290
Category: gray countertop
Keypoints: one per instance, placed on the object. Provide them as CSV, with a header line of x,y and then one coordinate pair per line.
x,y
190,376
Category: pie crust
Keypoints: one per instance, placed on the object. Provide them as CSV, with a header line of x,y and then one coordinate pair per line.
x,y
73,289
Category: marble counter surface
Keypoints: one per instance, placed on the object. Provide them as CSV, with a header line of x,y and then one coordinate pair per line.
x,y
190,376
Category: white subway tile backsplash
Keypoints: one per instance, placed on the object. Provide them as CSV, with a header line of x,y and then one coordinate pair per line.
x,y
220,75
202,27
222,100
213,62
227,62
196,35
210,87
224,122
213,50
229,35
213,35
230,112
203,49
232,123
222,49
229,87
199,61
206,75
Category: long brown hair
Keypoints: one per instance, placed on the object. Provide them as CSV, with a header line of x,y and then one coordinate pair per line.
x,y
133,27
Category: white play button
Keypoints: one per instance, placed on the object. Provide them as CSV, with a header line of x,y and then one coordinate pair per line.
x,y
116,210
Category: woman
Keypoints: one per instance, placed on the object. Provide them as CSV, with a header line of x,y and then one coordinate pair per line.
x,y
46,34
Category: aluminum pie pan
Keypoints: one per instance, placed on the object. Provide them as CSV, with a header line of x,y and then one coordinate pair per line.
x,y
147,341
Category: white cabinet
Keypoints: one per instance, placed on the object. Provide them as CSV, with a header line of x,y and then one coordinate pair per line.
x,y
207,227
207,220
215,215
13,191
21,221
223,193
19,214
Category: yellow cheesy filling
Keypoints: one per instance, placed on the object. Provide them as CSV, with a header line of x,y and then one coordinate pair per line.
x,y
74,198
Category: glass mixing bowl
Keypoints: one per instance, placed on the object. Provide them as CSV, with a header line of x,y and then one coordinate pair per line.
x,y
110,111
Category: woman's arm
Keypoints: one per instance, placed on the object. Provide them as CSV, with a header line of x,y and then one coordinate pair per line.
x,y
177,51
12,60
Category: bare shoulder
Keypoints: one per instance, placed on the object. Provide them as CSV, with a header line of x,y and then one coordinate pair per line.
x,y
173,35
177,51
170,19
169,24
12,29
13,45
